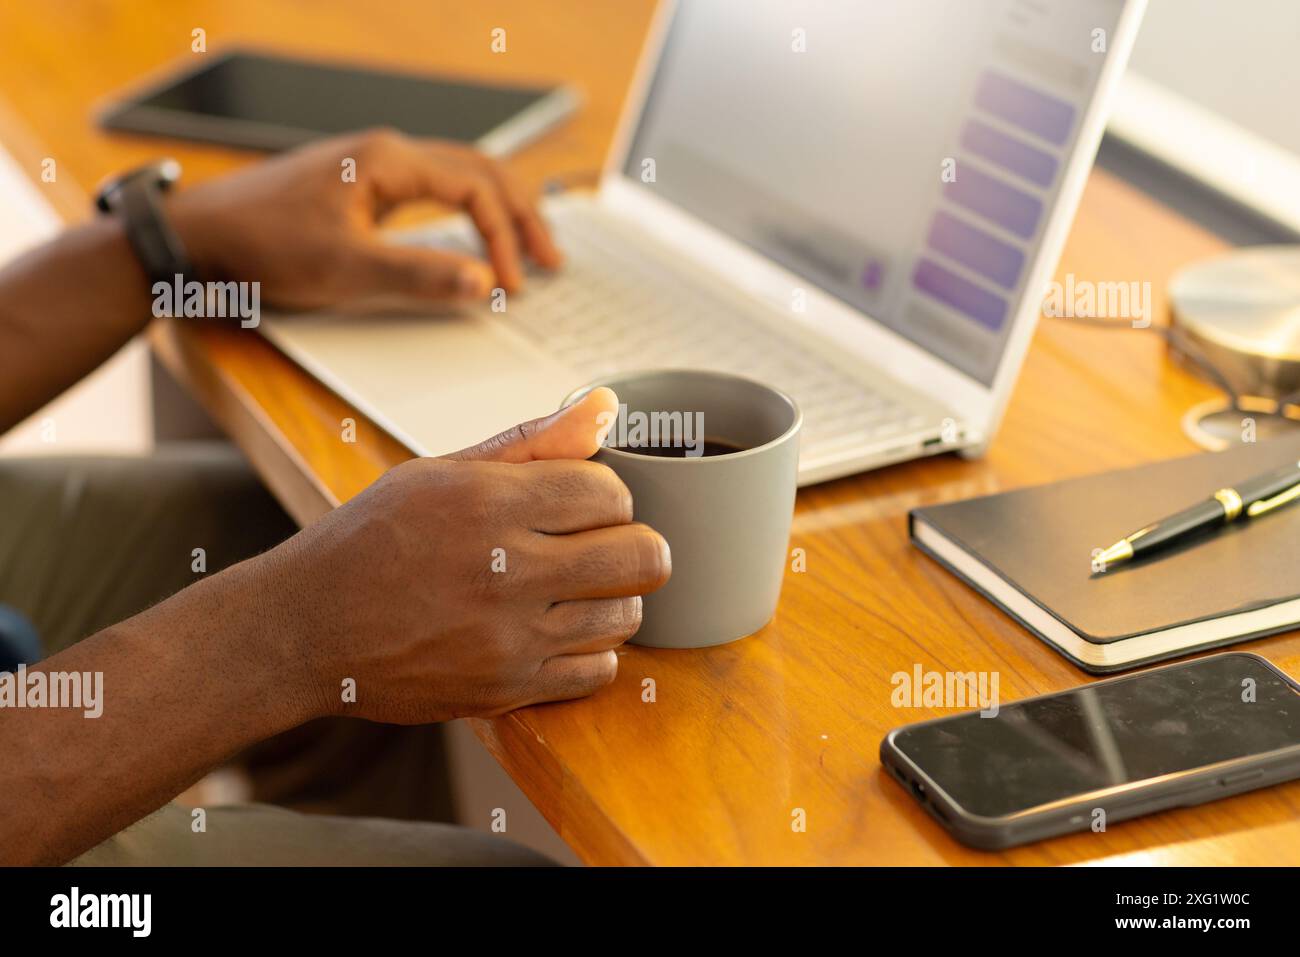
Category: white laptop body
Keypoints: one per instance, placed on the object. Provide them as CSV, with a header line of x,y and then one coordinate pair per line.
x,y
859,204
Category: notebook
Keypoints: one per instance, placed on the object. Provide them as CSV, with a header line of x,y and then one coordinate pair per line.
x,y
1030,552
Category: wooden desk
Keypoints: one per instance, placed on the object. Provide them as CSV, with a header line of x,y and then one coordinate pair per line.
x,y
742,735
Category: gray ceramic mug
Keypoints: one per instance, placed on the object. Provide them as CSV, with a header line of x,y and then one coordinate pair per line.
x,y
726,517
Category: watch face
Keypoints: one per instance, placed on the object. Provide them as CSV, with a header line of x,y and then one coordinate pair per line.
x,y
161,174
168,170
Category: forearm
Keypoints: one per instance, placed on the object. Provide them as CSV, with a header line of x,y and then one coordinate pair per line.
x,y
185,685
65,307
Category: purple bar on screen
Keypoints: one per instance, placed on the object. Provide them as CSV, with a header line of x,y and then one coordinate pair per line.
x,y
976,249
1010,154
994,200
961,294
1023,106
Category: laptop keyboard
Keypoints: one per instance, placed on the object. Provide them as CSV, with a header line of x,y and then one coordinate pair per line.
x,y
618,308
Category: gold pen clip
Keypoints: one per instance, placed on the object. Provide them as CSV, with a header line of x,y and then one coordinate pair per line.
x,y
1277,501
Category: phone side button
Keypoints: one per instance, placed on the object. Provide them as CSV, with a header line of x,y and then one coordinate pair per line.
x,y
1240,777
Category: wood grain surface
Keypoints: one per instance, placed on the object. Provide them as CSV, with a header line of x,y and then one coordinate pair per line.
x,y
791,718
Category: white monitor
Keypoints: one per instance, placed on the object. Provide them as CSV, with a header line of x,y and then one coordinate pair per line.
x,y
1212,92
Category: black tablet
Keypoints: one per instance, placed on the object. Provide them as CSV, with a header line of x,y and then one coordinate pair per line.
x,y
261,101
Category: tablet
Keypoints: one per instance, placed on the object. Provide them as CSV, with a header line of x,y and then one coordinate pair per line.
x,y
267,102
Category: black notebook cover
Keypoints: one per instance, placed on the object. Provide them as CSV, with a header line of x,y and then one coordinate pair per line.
x,y
1040,541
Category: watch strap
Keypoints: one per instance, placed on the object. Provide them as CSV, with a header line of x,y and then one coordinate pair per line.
x,y
138,200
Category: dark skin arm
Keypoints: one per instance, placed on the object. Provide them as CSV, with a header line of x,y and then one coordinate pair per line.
x,y
392,592
294,225
71,304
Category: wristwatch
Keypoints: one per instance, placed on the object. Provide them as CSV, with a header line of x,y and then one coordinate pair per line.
x,y
137,197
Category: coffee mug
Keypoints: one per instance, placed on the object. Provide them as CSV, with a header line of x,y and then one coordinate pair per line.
x,y
721,492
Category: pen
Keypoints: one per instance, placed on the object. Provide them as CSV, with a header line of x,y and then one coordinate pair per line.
x,y
1252,498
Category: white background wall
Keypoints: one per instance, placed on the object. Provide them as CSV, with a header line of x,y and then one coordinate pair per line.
x,y
1237,58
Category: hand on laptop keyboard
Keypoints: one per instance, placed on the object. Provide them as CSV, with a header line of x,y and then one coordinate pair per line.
x,y
308,233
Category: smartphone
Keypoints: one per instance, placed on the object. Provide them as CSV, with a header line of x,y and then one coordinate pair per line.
x,y
1082,759
267,102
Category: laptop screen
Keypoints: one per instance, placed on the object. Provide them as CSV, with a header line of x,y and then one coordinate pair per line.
x,y
902,155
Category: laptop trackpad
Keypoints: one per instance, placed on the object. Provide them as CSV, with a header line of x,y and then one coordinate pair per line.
x,y
438,384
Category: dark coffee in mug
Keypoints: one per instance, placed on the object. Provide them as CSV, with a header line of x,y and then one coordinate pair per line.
x,y
679,450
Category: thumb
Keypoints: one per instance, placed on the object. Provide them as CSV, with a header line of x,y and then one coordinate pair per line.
x,y
382,269
575,432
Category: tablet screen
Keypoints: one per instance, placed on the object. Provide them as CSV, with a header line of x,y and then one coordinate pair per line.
x,y
269,102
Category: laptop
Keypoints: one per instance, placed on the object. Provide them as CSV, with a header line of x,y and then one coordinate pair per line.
x,y
859,204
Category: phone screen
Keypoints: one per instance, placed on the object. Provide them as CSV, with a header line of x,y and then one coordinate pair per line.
x,y
1110,733
322,99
